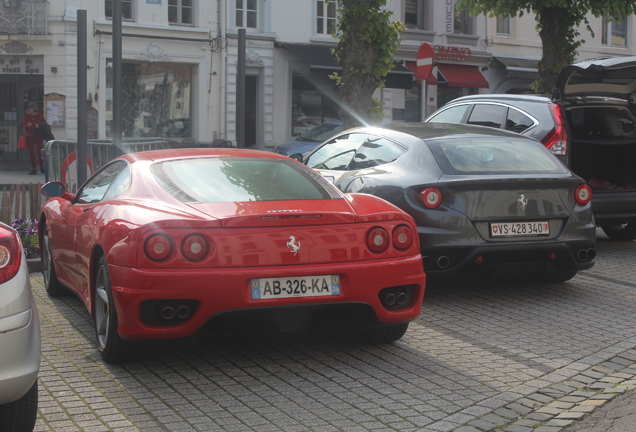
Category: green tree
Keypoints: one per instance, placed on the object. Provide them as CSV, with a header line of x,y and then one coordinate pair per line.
x,y
557,22
368,40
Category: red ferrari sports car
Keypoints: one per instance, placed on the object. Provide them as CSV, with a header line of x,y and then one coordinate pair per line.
x,y
170,244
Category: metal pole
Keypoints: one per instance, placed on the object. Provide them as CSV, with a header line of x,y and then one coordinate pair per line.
x,y
82,67
117,80
240,91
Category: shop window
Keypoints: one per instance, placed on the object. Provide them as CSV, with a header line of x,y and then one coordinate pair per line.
x,y
127,8
463,23
614,31
181,12
156,100
415,14
503,25
246,14
326,17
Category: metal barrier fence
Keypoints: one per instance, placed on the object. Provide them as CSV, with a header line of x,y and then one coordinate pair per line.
x,y
60,156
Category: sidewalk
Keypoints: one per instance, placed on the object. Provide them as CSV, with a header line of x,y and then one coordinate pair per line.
x,y
19,175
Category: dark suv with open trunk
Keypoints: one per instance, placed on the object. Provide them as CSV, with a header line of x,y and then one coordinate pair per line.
x,y
589,124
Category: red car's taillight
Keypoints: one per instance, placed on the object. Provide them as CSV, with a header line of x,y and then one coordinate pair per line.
x,y
583,194
378,239
557,140
158,247
402,237
431,197
10,255
195,247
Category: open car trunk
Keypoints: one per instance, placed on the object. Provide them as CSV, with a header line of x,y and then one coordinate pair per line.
x,y
606,166
603,145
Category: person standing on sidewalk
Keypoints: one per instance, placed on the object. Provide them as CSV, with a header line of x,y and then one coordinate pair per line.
x,y
31,121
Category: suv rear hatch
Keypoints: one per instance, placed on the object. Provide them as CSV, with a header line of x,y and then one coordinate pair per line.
x,y
598,99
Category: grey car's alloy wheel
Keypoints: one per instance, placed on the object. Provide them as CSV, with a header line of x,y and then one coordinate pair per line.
x,y
20,416
111,346
622,232
53,287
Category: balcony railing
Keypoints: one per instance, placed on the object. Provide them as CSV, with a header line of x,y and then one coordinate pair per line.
x,y
27,17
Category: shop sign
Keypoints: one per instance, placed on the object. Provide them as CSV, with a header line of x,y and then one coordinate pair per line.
x,y
450,16
452,53
22,65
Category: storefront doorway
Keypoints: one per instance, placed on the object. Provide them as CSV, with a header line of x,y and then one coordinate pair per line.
x,y
16,91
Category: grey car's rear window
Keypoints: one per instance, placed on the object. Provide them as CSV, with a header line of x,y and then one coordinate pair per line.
x,y
494,156
210,180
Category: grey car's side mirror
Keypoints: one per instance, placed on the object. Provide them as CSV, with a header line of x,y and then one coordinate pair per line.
x,y
297,156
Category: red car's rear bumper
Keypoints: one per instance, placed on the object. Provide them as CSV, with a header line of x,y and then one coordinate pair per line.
x,y
227,289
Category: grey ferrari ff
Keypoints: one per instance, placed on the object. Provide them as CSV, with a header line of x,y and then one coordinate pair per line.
x,y
487,202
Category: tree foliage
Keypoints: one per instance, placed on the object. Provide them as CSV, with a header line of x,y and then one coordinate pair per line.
x,y
558,22
368,40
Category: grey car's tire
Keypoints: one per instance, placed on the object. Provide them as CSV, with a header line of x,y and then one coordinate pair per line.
x,y
381,335
621,232
112,348
53,286
20,416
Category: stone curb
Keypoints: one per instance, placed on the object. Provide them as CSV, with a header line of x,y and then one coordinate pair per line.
x,y
560,405
35,265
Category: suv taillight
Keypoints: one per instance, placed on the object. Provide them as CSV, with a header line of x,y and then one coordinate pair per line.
x,y
557,140
10,254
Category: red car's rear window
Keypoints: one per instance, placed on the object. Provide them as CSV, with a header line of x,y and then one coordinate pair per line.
x,y
213,180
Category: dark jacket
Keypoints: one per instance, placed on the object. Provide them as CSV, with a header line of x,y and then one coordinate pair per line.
x,y
44,131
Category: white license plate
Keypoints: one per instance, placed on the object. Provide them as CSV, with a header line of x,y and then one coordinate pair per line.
x,y
298,286
518,229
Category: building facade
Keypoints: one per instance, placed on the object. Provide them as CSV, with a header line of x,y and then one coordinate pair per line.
x,y
180,64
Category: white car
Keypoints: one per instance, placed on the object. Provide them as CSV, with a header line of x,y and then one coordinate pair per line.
x,y
19,338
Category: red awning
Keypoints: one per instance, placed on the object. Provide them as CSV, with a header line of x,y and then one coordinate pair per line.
x,y
411,65
463,76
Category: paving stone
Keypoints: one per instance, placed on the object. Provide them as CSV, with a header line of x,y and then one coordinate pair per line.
x,y
613,366
521,409
628,356
584,379
574,415
527,422
482,425
602,369
560,405
564,388
585,394
622,361
593,402
548,410
515,428
593,374
495,419
529,403
619,390
507,413
540,398
572,399
601,385
548,429
584,408
467,429
542,417
604,396
559,422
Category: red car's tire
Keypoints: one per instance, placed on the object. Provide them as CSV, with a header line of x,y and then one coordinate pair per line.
x,y
53,286
112,348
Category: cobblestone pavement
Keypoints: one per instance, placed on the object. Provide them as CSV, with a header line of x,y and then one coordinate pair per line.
x,y
510,355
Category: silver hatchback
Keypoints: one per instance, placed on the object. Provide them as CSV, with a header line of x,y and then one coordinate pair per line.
x,y
19,338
